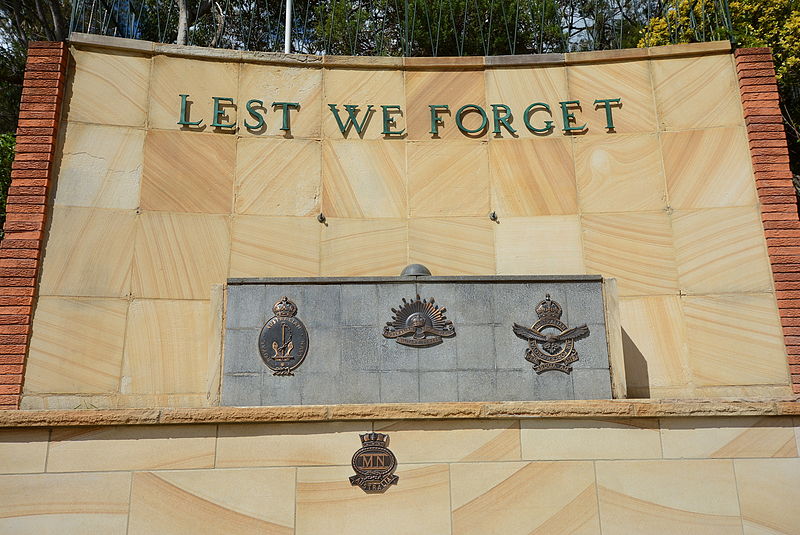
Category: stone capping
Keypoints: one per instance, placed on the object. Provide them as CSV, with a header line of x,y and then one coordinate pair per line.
x,y
26,209
443,279
776,193
411,63
602,409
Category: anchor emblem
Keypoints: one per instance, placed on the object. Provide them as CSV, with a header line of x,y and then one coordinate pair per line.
x,y
283,351
283,334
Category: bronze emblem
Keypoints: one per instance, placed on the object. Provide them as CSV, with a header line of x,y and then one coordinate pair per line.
x,y
551,346
419,323
283,342
374,464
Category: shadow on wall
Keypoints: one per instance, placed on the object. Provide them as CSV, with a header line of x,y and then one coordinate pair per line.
x,y
635,369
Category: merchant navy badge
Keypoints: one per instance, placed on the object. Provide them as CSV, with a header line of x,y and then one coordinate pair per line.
x,y
374,464
551,346
419,323
283,342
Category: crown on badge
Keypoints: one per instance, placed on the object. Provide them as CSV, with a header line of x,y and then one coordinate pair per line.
x,y
285,307
548,308
374,439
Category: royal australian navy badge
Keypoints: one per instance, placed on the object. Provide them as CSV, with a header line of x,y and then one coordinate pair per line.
x,y
283,342
551,345
419,323
374,464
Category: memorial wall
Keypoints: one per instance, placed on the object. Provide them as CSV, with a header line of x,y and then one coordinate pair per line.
x,y
150,217
606,208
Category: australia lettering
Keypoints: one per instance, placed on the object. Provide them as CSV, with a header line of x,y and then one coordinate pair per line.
x,y
539,118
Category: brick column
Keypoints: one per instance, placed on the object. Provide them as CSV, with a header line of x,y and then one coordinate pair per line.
x,y
26,210
776,193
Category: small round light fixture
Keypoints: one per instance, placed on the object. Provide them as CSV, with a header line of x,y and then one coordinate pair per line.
x,y
415,270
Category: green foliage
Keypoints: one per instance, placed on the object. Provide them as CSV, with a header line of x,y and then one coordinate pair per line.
x,y
10,93
754,23
472,27
370,27
687,21
772,23
12,67
436,28
381,27
7,142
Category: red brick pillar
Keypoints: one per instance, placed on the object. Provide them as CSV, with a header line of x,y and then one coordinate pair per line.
x,y
26,210
776,193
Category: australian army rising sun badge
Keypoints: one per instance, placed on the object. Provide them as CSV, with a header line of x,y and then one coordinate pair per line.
x,y
283,342
419,323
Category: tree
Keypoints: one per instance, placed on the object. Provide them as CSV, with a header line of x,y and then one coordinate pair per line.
x,y
188,12
475,27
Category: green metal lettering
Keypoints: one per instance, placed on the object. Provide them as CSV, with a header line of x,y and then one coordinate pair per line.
x,y
286,106
568,116
219,112
352,115
389,121
548,125
502,120
254,114
436,121
607,102
184,120
460,112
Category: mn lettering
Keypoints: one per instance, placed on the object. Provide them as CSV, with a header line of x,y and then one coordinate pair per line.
x,y
373,461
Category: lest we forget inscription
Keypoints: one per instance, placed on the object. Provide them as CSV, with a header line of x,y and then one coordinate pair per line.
x,y
407,339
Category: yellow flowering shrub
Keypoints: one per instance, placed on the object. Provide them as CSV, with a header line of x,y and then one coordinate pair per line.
x,y
772,23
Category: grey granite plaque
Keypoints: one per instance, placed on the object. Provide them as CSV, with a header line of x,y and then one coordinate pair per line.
x,y
467,351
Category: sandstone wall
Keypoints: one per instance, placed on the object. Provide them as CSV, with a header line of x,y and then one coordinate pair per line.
x,y
148,216
642,475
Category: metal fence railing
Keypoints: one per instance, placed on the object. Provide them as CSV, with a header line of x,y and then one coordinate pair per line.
x,y
409,27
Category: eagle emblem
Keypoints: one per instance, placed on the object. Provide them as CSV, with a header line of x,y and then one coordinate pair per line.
x,y
419,323
551,345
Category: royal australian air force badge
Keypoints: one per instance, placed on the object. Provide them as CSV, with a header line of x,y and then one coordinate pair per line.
x,y
551,345
283,342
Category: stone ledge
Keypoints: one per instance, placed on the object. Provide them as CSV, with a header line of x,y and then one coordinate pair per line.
x,y
399,63
241,281
401,411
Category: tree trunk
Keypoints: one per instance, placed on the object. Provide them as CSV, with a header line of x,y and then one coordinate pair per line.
x,y
60,29
183,23
219,17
